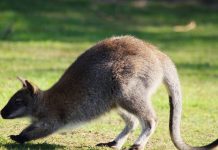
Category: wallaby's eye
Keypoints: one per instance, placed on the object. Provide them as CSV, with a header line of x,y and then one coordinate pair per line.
x,y
19,101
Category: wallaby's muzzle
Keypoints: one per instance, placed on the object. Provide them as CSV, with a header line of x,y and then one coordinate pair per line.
x,y
11,114
5,114
11,111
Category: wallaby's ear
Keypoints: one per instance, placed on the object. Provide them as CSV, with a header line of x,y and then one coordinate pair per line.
x,y
22,81
31,87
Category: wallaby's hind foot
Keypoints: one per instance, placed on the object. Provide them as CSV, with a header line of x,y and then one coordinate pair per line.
x,y
111,144
135,147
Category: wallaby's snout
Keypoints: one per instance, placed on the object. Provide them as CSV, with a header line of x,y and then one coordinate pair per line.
x,y
15,107
5,113
2,115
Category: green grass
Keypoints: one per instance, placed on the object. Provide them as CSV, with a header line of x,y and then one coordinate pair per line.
x,y
47,36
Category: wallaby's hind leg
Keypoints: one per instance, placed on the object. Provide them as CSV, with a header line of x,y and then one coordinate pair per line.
x,y
131,123
148,127
142,108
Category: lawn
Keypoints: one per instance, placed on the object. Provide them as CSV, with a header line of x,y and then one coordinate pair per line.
x,y
40,39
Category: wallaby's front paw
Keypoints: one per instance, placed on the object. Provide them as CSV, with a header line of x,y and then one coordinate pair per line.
x,y
18,138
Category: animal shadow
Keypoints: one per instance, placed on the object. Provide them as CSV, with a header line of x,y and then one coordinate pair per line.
x,y
30,146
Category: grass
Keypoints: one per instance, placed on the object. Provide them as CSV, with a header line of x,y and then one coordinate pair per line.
x,y
45,37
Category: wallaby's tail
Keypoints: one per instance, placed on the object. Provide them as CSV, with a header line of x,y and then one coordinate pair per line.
x,y
172,83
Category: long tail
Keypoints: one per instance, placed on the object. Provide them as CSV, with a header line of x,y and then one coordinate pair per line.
x,y
172,83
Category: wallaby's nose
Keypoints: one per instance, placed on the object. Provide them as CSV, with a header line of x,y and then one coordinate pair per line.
x,y
3,114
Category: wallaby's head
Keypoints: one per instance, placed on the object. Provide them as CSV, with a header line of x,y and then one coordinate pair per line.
x,y
22,102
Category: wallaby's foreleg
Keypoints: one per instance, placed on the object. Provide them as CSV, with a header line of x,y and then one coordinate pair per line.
x,y
34,131
131,123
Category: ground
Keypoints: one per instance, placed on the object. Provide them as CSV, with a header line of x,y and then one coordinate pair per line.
x,y
40,39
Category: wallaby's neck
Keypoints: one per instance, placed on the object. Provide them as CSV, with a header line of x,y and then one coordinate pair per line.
x,y
38,105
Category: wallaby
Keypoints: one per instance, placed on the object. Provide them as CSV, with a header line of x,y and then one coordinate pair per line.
x,y
117,73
